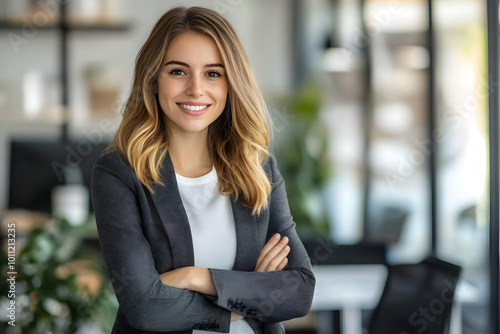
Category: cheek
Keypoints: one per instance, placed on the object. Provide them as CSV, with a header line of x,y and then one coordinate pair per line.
x,y
222,93
169,88
165,97
223,97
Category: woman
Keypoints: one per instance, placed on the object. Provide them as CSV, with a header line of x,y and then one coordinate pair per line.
x,y
191,210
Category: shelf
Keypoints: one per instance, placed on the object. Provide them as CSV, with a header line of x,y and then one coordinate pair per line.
x,y
60,21
9,122
89,121
74,26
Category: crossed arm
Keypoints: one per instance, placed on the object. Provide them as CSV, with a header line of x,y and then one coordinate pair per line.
x,y
273,257
145,297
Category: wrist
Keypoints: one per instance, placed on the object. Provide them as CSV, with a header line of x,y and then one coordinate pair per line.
x,y
200,280
194,278
235,316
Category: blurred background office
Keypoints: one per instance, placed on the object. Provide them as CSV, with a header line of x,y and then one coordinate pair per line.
x,y
380,130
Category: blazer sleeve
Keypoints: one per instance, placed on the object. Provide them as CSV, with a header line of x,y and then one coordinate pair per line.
x,y
146,302
271,296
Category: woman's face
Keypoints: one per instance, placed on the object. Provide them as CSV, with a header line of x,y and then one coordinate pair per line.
x,y
192,84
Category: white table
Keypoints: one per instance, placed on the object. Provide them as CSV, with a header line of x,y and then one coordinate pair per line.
x,y
352,288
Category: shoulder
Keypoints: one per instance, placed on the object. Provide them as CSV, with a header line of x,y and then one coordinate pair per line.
x,y
111,157
113,162
270,168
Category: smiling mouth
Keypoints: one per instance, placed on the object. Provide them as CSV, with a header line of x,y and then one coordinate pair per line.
x,y
193,108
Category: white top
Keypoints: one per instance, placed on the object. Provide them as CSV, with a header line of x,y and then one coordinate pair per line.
x,y
212,228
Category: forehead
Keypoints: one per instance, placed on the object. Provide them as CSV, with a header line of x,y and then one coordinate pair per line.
x,y
194,48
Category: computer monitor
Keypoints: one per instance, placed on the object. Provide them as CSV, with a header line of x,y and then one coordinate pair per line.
x,y
37,165
386,224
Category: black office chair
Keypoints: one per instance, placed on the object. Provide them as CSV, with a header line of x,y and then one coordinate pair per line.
x,y
417,299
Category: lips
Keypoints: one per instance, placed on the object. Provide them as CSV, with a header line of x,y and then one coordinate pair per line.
x,y
194,109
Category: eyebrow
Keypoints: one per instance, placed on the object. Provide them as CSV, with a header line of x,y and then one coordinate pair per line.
x,y
175,62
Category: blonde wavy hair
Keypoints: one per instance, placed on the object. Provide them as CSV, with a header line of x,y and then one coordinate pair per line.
x,y
238,139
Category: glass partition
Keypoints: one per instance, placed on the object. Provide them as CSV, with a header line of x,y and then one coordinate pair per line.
x,y
462,124
378,76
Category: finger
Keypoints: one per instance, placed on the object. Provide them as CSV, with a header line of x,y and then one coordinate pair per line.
x,y
282,264
275,257
277,261
267,247
263,264
284,260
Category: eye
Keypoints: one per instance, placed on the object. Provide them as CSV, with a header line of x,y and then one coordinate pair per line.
x,y
177,72
213,74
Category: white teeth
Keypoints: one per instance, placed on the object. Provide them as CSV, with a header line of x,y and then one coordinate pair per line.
x,y
193,108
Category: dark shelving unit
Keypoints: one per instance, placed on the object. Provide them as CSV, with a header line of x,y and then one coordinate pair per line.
x,y
65,27
99,27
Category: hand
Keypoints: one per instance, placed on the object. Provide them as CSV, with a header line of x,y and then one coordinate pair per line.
x,y
235,316
273,256
182,278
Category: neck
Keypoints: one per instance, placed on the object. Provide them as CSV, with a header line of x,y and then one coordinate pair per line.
x,y
190,154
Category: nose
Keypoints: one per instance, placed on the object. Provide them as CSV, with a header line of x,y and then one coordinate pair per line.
x,y
195,87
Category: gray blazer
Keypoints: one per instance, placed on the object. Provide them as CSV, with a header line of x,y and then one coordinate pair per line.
x,y
143,235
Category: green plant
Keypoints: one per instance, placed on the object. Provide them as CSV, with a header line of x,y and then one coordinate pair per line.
x,y
301,150
60,285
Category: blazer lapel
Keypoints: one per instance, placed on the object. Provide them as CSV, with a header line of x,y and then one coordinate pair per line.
x,y
247,249
169,205
174,219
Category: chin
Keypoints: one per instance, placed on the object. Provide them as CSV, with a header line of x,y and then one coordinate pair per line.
x,y
194,129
